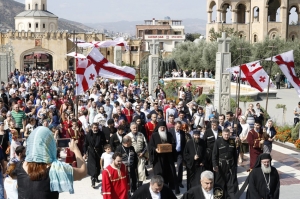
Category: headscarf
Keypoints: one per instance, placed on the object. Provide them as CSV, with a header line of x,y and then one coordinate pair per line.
x,y
261,157
41,148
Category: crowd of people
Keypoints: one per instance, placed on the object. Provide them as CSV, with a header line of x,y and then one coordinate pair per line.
x,y
123,132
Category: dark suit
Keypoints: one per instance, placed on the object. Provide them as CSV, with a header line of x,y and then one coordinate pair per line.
x,y
209,138
114,141
179,154
144,193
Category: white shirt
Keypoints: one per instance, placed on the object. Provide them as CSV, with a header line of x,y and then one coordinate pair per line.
x,y
215,133
208,110
107,158
84,123
154,195
10,186
208,195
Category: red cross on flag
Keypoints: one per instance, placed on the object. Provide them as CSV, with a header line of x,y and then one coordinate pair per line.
x,y
254,74
109,70
285,61
85,75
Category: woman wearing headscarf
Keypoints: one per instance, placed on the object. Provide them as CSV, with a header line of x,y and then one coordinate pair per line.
x,y
41,175
269,135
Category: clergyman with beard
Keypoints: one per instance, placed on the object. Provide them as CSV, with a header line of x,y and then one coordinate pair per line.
x,y
194,156
163,163
264,181
93,148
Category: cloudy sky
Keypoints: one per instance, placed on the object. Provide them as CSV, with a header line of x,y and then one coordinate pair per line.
x,y
93,11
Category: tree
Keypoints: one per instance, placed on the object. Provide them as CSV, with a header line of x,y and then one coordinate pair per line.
x,y
230,32
192,36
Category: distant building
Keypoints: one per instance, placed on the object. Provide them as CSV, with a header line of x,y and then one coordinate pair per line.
x,y
255,19
168,33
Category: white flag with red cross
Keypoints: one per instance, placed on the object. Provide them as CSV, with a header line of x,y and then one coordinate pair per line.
x,y
86,75
104,44
254,74
286,63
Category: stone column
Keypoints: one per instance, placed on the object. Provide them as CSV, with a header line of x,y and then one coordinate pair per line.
x,y
153,74
234,16
219,12
247,17
222,76
118,55
209,16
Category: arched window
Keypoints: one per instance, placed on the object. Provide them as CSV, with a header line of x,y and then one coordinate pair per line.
x,y
28,6
274,11
241,13
29,25
37,25
36,6
273,36
256,14
255,38
293,37
293,17
241,36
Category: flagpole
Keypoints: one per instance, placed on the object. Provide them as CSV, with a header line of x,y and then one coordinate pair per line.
x,y
239,82
269,81
77,98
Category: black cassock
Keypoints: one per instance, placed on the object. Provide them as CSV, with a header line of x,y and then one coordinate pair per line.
x,y
194,169
163,163
144,193
197,193
93,146
258,186
209,139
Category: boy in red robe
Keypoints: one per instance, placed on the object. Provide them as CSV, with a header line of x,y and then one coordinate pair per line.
x,y
115,179
150,126
255,140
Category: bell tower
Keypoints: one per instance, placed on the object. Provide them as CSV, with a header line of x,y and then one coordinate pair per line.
x,y
40,5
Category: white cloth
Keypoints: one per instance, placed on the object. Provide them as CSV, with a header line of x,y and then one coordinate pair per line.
x,y
208,110
10,186
84,123
208,195
154,195
107,159
245,130
215,134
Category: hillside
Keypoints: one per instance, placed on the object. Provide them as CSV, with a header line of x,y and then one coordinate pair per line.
x,y
9,9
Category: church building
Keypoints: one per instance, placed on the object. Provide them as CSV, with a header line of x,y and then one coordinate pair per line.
x,y
254,20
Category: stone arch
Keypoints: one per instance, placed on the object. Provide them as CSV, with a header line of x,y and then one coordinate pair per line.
x,y
226,13
211,5
274,10
293,15
293,35
242,34
241,8
255,37
212,10
273,33
255,14
32,50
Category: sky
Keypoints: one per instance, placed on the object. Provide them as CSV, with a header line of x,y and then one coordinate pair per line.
x,y
94,11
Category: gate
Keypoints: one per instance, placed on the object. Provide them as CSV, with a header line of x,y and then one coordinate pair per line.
x,y
7,63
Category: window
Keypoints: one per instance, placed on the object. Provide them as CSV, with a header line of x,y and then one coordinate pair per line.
x,y
108,52
36,6
28,6
273,36
44,26
166,32
133,63
161,45
293,37
29,25
148,32
159,32
255,38
37,25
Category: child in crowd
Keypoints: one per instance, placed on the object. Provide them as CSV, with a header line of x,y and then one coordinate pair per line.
x,y
106,157
10,183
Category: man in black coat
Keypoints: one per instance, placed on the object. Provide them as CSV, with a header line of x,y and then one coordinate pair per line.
x,y
116,139
194,156
207,189
179,140
156,187
109,130
210,136
93,147
163,162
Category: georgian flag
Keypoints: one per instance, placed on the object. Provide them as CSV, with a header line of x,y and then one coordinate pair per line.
x,y
285,61
104,44
86,75
254,74
109,70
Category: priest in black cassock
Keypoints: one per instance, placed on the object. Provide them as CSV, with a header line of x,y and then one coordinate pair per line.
x,y
264,179
155,189
163,163
207,189
194,156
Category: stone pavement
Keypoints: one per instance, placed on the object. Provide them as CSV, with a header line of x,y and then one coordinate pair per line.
x,y
287,162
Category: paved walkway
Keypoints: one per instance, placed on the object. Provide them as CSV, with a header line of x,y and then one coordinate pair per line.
x,y
286,161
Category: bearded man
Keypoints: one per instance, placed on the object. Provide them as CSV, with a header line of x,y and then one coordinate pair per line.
x,y
194,156
93,148
163,163
264,179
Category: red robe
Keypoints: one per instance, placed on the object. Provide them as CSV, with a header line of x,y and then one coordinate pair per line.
x,y
71,158
129,114
115,183
253,139
149,126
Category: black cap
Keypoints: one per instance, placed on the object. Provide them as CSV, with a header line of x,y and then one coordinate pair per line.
x,y
110,121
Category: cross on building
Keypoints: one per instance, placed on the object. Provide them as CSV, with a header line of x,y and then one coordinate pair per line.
x,y
223,43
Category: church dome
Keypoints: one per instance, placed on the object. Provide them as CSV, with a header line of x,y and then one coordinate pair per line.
x,y
36,13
